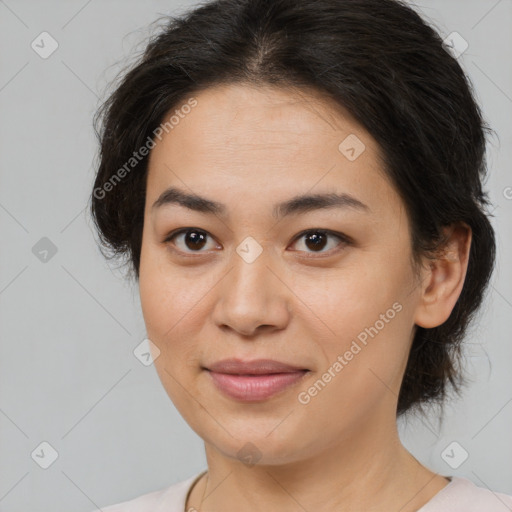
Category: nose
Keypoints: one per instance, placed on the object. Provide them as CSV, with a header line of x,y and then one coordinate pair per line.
x,y
252,297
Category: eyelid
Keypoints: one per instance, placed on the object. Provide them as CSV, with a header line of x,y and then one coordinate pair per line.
x,y
345,239
180,231
336,234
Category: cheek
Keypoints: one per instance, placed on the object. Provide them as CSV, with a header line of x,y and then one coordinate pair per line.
x,y
364,368
167,302
173,300
352,298
167,293
365,312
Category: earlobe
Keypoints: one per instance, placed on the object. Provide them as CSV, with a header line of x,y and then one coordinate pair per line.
x,y
443,281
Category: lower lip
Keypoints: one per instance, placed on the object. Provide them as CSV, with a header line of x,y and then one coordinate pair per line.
x,y
254,387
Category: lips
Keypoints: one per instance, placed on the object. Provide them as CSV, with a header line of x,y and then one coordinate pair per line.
x,y
255,380
254,367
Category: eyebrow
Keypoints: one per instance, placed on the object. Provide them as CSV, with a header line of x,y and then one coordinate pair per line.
x,y
295,205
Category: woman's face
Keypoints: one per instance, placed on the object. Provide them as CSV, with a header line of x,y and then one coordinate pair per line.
x,y
246,282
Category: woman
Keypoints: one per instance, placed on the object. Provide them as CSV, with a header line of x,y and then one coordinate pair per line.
x,y
296,185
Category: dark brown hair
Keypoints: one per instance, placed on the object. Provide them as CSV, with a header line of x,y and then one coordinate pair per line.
x,y
377,58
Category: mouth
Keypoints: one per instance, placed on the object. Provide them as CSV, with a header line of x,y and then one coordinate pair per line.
x,y
255,380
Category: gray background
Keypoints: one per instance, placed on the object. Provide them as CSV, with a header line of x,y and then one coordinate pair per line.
x,y
69,325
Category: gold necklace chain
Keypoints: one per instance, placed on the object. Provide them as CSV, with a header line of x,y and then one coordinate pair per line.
x,y
193,509
204,492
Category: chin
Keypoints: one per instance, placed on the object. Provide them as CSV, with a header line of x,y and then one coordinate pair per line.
x,y
250,441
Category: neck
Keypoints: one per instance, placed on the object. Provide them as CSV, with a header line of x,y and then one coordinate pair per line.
x,y
369,470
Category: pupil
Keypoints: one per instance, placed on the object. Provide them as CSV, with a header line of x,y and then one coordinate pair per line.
x,y
195,239
317,239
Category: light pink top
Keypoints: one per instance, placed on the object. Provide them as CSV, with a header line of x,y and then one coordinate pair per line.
x,y
460,495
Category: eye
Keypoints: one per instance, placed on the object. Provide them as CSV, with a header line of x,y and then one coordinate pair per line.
x,y
193,239
317,239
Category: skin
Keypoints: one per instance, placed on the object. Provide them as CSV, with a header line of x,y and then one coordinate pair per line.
x,y
250,148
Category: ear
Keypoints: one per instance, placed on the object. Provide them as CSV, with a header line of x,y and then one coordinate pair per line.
x,y
443,278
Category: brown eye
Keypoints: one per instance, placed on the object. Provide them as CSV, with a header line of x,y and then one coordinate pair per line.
x,y
192,240
316,240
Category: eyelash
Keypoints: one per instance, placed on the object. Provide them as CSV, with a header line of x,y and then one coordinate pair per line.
x,y
345,240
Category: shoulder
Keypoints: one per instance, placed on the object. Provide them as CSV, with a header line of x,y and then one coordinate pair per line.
x,y
462,495
169,499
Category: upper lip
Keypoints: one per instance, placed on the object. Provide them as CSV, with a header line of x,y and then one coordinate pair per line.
x,y
254,367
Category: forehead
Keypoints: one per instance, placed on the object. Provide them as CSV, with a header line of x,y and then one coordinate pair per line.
x,y
241,113
246,140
